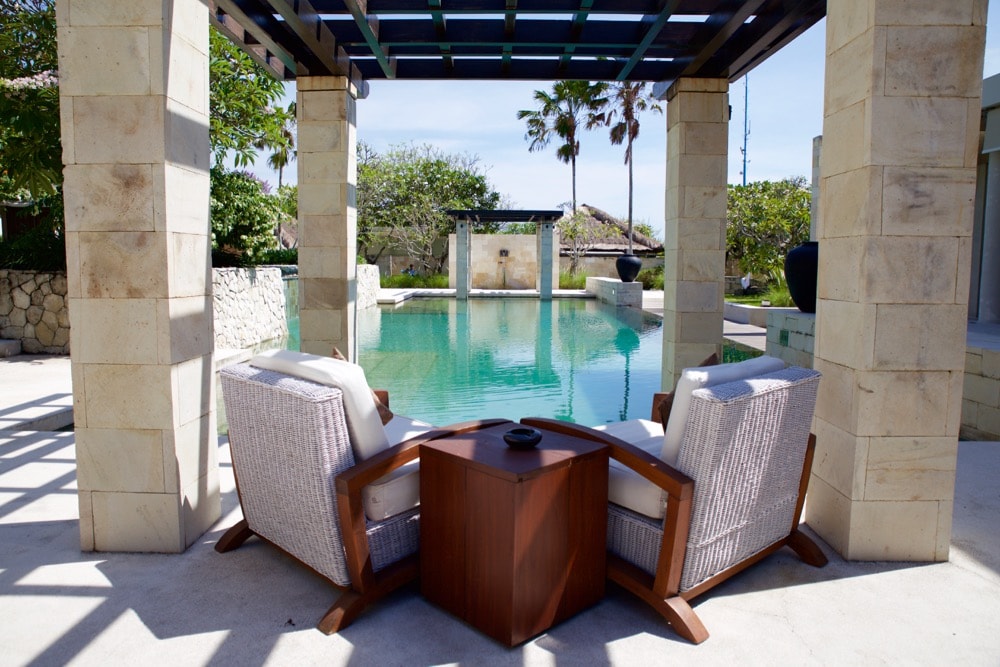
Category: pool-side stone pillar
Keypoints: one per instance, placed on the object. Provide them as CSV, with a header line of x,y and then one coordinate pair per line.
x,y
695,229
463,253
328,224
548,269
134,115
897,189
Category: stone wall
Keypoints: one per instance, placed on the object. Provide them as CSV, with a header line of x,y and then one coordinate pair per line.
x,y
981,395
615,292
790,336
368,285
249,306
33,310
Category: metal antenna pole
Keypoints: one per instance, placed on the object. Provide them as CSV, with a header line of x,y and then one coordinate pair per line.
x,y
746,122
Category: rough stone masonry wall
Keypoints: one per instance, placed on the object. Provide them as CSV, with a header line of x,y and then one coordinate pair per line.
x,y
249,306
33,310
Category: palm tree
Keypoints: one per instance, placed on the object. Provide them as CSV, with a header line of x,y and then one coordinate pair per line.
x,y
284,152
570,106
627,99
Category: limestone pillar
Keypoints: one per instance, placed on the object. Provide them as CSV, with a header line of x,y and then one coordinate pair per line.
x,y
814,221
695,231
134,111
547,277
901,124
328,223
463,253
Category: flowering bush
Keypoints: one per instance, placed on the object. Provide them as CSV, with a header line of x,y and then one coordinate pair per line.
x,y
30,150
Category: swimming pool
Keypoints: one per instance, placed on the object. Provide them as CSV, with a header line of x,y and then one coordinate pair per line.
x,y
446,360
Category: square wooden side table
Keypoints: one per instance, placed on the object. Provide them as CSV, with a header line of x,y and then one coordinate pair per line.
x,y
513,542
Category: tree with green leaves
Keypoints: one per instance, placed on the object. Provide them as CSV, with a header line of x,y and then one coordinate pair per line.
x,y
242,98
284,154
30,149
403,195
243,218
625,102
571,107
766,219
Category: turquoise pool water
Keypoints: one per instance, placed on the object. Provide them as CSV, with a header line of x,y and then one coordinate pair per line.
x,y
446,360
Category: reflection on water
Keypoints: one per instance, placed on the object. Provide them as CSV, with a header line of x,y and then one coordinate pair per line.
x,y
446,360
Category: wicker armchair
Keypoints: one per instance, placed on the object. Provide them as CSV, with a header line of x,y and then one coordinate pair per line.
x,y
734,497
302,488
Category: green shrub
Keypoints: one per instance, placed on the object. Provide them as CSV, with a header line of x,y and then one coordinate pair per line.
x,y
243,218
777,294
651,278
279,256
42,248
406,281
569,280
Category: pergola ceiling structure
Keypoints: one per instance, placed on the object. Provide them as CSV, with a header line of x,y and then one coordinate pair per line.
x,y
657,41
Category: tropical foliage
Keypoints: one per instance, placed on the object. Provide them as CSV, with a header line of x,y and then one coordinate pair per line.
x,y
243,216
242,115
403,195
625,102
576,230
571,107
766,219
30,150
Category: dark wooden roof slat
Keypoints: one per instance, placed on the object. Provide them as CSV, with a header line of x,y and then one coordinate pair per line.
x,y
369,29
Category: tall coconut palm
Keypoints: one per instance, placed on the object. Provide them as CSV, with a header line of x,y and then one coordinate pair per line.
x,y
626,100
570,107
284,152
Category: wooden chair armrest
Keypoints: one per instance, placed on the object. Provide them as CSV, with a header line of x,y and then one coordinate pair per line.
x,y
350,507
679,488
674,482
382,395
362,474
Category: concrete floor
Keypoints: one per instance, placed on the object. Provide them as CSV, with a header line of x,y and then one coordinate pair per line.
x,y
255,606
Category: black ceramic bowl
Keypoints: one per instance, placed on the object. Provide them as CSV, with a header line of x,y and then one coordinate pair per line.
x,y
522,437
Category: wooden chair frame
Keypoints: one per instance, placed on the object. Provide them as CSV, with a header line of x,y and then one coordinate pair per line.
x,y
367,586
661,591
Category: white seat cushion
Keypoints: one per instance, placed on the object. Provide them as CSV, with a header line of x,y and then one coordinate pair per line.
x,y
399,490
627,487
393,493
706,376
363,424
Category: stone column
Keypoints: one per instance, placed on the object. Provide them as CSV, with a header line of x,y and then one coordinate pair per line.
x,y
695,231
546,276
134,112
902,97
814,221
328,222
463,252
989,278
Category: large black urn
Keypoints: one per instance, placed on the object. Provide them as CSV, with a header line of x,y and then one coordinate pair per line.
x,y
801,266
628,266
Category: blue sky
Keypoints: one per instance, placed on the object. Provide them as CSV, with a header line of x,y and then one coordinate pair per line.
x,y
785,113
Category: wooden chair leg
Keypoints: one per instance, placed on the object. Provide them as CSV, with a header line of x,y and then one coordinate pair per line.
x,y
352,602
343,612
807,549
683,619
234,537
